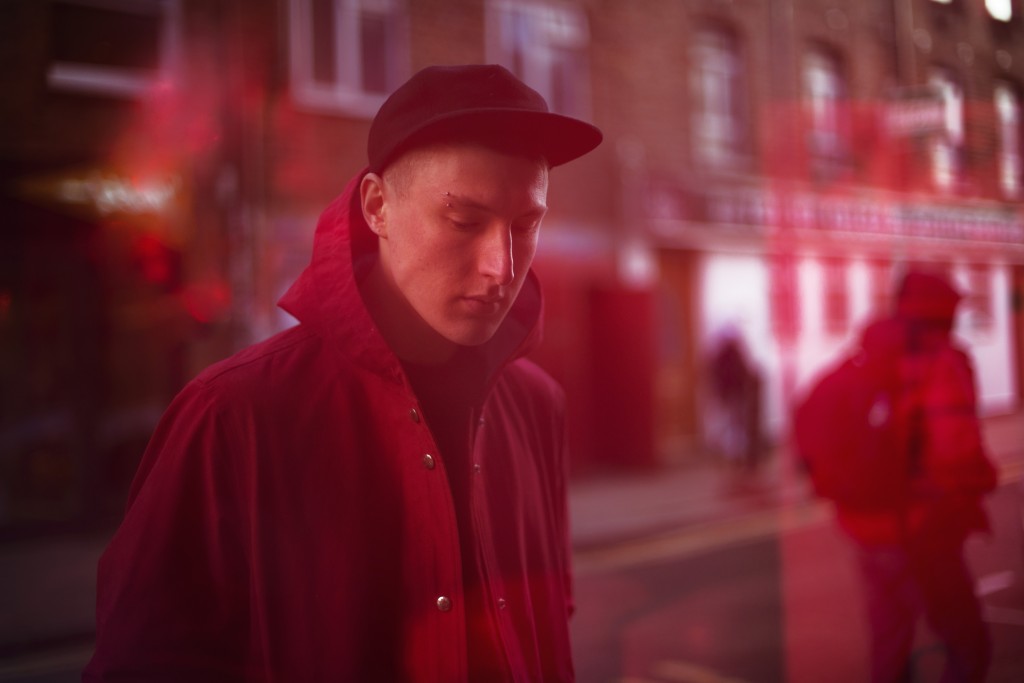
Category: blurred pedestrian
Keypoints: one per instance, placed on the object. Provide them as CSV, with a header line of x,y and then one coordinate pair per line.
x,y
735,405
376,494
911,502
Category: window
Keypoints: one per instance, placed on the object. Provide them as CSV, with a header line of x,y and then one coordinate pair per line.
x,y
122,48
346,55
544,44
824,95
1008,125
947,146
1000,9
720,109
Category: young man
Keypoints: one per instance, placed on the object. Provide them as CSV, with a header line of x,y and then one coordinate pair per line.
x,y
376,494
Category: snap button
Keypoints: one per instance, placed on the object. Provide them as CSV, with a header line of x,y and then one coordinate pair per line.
x,y
428,461
414,415
444,603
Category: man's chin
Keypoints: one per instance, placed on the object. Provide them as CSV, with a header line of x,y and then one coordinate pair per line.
x,y
476,335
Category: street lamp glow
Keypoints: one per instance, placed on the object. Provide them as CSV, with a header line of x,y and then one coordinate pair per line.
x,y
1000,9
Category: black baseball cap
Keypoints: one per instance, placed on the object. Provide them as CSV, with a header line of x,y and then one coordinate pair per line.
x,y
475,101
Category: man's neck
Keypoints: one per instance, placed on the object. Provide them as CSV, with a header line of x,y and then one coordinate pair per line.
x,y
408,335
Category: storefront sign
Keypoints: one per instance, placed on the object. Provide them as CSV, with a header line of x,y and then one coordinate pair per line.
x,y
919,111
761,208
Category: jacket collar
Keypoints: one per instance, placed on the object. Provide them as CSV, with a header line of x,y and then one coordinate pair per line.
x,y
326,295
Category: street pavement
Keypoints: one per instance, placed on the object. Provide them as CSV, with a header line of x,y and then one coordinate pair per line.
x,y
46,607
704,491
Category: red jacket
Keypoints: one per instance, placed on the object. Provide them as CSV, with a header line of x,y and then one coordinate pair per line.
x,y
292,521
954,471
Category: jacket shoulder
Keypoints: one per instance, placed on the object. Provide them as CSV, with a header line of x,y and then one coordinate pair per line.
x,y
532,378
259,363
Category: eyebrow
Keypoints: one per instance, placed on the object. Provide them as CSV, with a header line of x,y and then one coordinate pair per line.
x,y
451,200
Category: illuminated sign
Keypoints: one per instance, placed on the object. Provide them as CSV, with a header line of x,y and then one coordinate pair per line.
x,y
105,194
117,195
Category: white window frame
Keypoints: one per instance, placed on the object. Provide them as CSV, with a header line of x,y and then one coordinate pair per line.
x,y
946,146
717,82
531,38
346,94
825,91
1007,104
122,81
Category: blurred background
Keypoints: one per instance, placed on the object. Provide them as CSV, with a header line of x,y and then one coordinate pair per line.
x,y
770,168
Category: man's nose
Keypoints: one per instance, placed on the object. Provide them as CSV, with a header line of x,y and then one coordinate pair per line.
x,y
496,255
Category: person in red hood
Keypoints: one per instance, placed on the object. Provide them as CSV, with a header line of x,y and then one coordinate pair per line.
x,y
911,553
378,493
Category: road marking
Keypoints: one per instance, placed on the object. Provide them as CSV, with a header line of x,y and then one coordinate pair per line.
x,y
993,583
685,672
695,540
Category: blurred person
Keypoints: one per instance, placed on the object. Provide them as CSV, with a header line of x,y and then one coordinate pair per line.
x,y
914,493
735,404
376,494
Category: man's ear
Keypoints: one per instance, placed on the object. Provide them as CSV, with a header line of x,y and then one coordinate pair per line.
x,y
371,196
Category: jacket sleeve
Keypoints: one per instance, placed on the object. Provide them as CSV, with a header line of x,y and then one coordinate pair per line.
x,y
956,457
561,494
172,583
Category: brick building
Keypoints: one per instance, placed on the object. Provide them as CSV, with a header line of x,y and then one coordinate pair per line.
x,y
814,161
768,166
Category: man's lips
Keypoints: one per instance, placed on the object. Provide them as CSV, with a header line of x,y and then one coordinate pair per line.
x,y
484,304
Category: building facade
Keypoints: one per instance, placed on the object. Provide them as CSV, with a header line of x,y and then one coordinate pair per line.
x,y
769,168
792,159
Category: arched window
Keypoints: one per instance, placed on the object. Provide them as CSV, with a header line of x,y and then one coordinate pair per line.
x,y
1006,101
825,97
947,146
720,104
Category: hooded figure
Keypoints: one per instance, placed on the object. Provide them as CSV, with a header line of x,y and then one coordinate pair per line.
x,y
911,555
378,493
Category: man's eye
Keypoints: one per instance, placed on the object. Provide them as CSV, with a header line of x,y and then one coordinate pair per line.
x,y
464,225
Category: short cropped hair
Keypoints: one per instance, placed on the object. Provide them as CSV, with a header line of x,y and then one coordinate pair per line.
x,y
398,173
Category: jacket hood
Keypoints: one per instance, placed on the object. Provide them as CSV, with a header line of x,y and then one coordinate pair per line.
x,y
326,295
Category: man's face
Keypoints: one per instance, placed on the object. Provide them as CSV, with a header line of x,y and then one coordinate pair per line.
x,y
458,227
